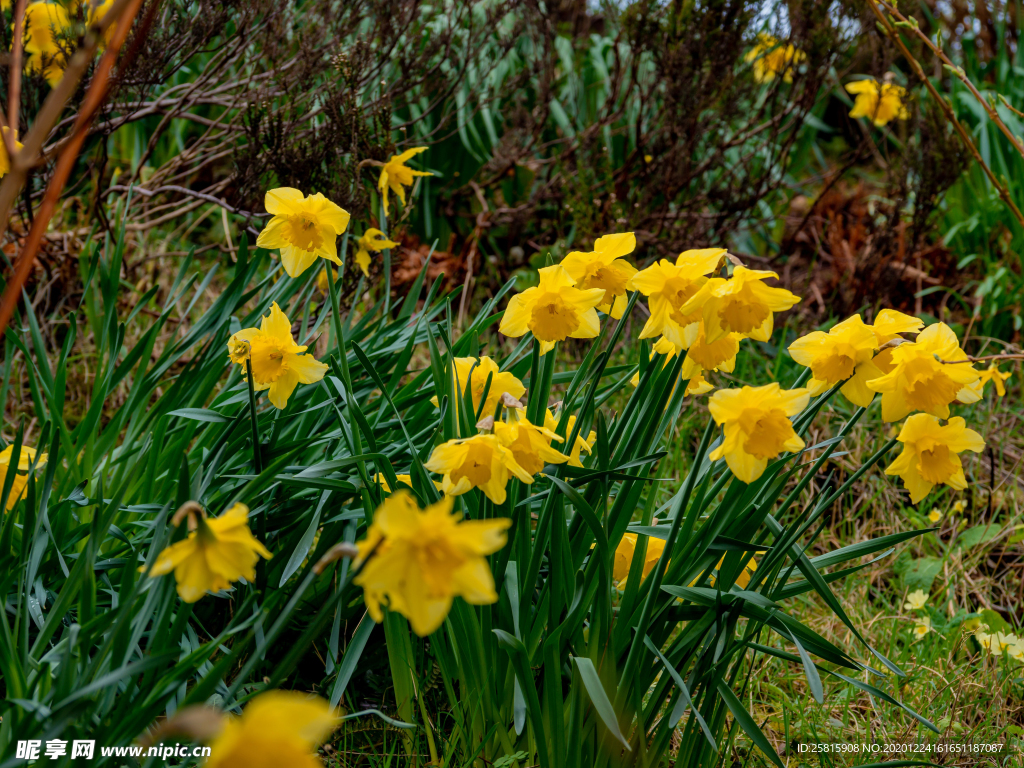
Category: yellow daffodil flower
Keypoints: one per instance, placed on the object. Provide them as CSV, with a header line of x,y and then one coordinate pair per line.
x,y
554,310
480,462
669,286
5,161
915,600
419,560
661,347
843,354
929,454
303,228
472,373
19,485
935,515
757,426
696,383
605,268
46,26
277,728
997,377
770,57
278,363
741,304
530,445
372,240
402,479
582,444
879,102
918,380
742,581
396,175
624,557
923,626
888,325
217,553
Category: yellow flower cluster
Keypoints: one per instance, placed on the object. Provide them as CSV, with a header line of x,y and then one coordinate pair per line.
x,y
998,643
771,58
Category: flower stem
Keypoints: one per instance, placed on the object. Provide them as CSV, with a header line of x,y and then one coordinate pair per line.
x,y
257,460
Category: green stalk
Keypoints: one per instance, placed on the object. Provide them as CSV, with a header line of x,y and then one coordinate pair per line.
x,y
257,461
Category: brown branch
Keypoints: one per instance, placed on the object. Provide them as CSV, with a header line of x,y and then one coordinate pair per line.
x,y
947,110
94,98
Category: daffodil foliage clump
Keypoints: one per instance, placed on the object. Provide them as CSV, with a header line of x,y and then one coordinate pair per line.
x,y
278,495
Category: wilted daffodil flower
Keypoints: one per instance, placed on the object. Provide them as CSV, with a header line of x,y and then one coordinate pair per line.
x,y
45,25
303,228
929,454
372,240
879,102
843,354
419,560
277,728
605,268
480,462
741,304
771,57
757,426
669,286
920,381
554,310
530,445
997,377
217,552
396,175
20,483
278,363
472,373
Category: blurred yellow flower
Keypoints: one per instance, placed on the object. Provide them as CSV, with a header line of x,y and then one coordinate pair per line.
x,y
321,280
1002,641
997,377
530,445
372,240
771,57
741,304
554,310
217,553
669,286
605,269
915,600
581,444
624,557
403,479
959,506
475,378
5,161
843,354
277,361
277,728
757,426
879,102
929,454
923,626
303,228
743,580
46,27
480,462
918,380
418,560
934,516
396,175
19,485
